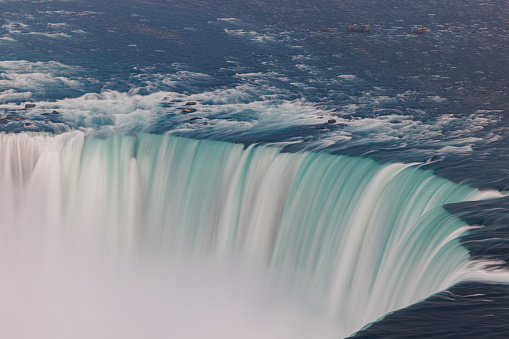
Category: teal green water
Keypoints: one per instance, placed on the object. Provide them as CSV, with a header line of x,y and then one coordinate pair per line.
x,y
362,239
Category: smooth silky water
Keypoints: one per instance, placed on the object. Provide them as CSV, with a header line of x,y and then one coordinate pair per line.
x,y
157,235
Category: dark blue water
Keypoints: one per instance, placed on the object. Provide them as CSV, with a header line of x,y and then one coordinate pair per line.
x,y
289,73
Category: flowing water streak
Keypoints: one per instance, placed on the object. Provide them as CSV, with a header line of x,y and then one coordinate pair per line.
x,y
361,239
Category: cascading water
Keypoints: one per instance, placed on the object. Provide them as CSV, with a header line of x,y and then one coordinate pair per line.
x,y
362,239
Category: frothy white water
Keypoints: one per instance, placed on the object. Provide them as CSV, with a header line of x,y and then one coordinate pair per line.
x,y
262,106
159,236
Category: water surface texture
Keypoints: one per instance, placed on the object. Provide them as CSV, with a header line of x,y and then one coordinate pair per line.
x,y
253,169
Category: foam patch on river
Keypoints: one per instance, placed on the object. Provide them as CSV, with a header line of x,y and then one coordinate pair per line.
x,y
253,109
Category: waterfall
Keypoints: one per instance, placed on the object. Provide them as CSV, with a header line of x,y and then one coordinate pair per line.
x,y
362,239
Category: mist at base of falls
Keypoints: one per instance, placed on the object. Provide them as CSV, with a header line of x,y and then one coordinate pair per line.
x,y
74,293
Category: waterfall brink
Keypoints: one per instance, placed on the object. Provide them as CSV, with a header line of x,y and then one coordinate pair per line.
x,y
362,239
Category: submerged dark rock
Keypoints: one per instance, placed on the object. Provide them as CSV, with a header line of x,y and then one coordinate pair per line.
x,y
331,121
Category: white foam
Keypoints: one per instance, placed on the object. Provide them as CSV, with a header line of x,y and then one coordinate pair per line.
x,y
7,38
252,35
347,76
230,20
58,24
455,149
37,77
36,81
12,95
27,66
54,35
255,107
